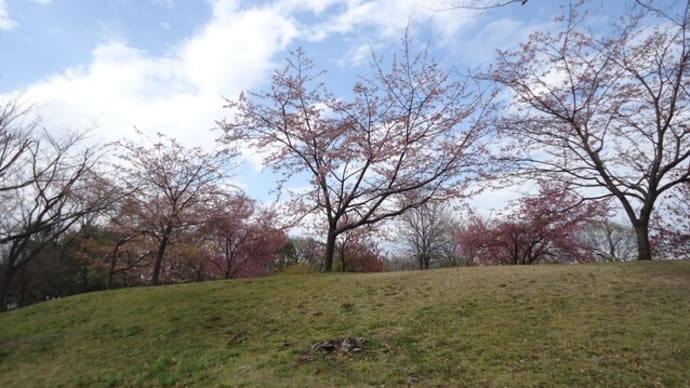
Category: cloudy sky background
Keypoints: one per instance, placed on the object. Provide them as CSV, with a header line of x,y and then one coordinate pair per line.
x,y
166,65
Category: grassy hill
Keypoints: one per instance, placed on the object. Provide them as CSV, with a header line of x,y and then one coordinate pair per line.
x,y
616,325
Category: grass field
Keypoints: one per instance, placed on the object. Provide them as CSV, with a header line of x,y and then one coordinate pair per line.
x,y
614,325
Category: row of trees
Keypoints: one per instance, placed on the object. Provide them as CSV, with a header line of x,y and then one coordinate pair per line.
x,y
159,212
601,123
45,189
548,227
410,134
604,116
77,217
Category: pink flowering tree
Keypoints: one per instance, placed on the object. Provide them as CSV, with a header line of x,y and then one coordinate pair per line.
x,y
542,228
607,116
357,251
410,131
169,186
241,240
672,226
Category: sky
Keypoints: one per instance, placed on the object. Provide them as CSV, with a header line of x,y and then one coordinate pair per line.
x,y
110,66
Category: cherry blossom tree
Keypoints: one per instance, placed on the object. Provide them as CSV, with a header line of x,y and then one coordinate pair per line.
x,y
170,186
672,225
357,251
412,131
470,239
606,115
542,228
116,246
240,239
186,259
363,256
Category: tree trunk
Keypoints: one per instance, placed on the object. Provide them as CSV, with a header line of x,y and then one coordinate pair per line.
x,y
228,258
644,250
155,277
330,250
113,263
110,280
84,271
423,261
5,287
341,254
200,274
159,257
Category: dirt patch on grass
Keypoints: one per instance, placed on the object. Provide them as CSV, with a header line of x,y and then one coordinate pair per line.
x,y
349,345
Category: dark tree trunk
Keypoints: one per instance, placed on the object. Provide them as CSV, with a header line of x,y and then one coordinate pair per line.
x,y
5,280
110,280
155,278
644,250
341,255
113,263
84,272
330,250
228,258
423,261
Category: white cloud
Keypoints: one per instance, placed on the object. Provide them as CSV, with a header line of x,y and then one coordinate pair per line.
x,y
316,7
6,23
358,55
41,2
391,17
179,94
492,201
479,47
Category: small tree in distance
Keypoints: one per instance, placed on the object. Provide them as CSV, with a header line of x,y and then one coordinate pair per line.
x,y
240,239
300,254
608,241
356,251
541,229
409,130
426,234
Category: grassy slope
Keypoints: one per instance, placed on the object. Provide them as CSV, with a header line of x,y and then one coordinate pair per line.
x,y
620,325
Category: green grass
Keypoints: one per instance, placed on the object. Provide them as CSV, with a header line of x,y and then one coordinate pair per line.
x,y
584,325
